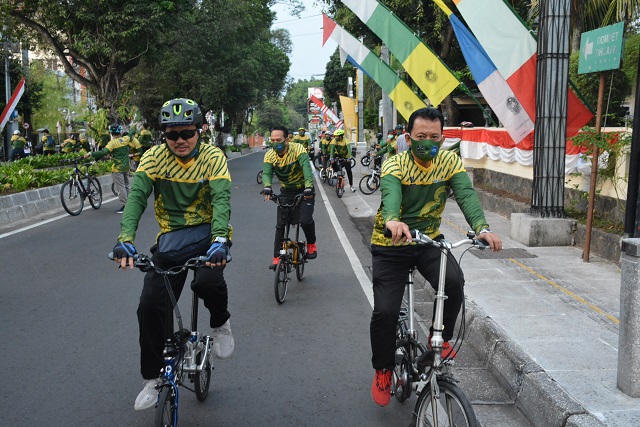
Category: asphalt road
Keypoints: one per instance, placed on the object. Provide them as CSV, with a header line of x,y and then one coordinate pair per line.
x,y
69,329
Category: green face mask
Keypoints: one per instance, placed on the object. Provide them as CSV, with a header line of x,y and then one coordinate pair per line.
x,y
278,146
424,150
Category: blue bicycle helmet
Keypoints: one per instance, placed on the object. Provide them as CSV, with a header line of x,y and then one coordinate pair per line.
x,y
115,129
180,111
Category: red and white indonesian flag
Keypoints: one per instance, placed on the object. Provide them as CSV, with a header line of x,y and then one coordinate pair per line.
x,y
513,50
328,111
11,105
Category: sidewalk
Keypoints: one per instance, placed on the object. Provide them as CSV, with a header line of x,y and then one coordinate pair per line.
x,y
545,322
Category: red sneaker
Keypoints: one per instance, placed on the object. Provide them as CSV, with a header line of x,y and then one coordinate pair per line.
x,y
448,352
381,387
312,252
274,264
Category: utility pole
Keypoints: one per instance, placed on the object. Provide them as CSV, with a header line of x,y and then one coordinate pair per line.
x,y
360,95
387,120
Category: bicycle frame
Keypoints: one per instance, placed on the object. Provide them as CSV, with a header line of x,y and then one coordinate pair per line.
x,y
181,351
287,243
429,366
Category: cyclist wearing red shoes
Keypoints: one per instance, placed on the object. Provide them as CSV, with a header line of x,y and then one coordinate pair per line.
x,y
290,162
414,188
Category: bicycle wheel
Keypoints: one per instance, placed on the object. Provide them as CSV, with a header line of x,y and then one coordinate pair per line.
x,y
71,197
369,184
340,187
301,261
280,282
365,160
352,160
113,189
95,193
259,177
166,409
452,408
202,378
317,162
323,174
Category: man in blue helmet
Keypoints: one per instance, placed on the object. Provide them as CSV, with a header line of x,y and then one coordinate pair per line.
x,y
192,190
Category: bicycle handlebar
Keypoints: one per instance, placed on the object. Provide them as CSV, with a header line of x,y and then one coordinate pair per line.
x,y
144,263
296,201
421,238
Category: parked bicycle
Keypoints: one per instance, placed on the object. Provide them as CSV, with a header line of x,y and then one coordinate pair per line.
x,y
187,354
81,185
293,253
440,402
370,182
365,160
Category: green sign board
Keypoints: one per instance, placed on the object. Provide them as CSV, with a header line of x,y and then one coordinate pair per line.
x,y
601,49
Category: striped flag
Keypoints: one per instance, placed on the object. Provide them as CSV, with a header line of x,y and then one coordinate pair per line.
x,y
328,111
513,50
11,105
490,81
425,68
402,96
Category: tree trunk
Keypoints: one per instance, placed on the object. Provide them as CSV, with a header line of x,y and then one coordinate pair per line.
x,y
449,107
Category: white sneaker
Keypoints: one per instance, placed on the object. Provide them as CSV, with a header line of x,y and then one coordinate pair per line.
x,y
148,397
353,190
222,341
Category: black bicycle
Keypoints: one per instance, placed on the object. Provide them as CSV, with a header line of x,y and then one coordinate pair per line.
x,y
80,186
293,253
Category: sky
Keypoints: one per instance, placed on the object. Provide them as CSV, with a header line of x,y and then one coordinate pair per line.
x,y
308,57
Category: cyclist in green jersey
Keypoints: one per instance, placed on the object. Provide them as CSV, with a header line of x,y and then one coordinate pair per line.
x,y
341,149
17,146
119,147
290,162
414,188
192,191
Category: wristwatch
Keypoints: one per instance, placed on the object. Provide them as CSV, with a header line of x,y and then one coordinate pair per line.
x,y
220,240
485,230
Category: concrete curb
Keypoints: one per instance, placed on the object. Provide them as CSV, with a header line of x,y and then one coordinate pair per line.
x,y
25,205
542,401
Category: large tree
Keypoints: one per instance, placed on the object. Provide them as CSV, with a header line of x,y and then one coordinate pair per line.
x,y
97,42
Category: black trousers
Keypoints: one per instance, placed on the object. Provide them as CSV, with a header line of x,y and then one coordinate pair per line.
x,y
390,271
155,318
304,215
347,165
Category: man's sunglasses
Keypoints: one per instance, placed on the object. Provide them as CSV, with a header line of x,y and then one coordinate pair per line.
x,y
184,134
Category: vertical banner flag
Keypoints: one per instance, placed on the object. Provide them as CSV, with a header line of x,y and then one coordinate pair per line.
x,y
491,83
513,50
425,68
11,105
402,96
326,110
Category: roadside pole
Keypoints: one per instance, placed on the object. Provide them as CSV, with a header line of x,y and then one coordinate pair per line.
x,y
629,336
632,216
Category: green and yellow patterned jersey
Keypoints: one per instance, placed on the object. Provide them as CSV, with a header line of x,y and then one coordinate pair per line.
x,y
340,148
119,148
186,194
325,144
18,142
293,169
388,147
416,195
302,140
145,138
